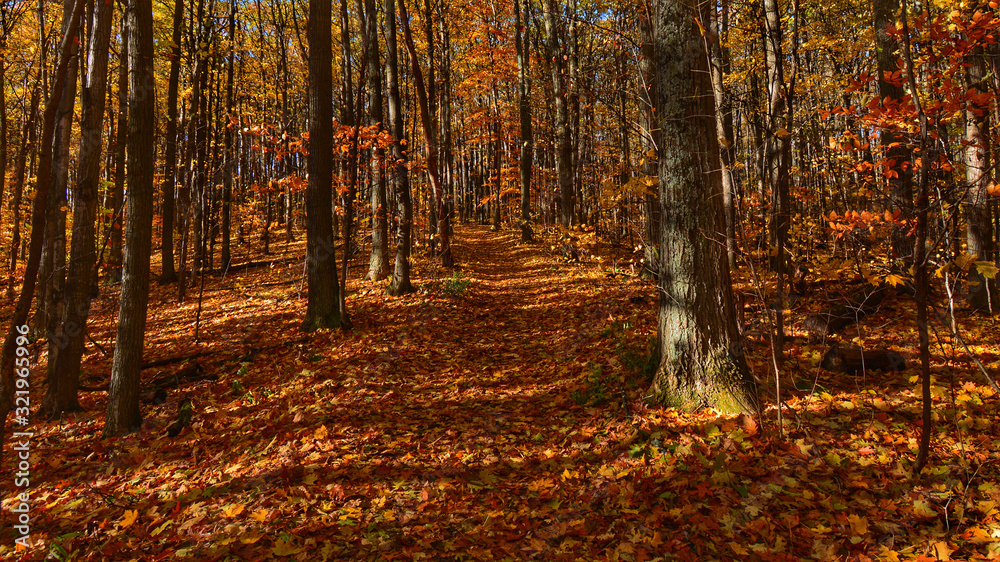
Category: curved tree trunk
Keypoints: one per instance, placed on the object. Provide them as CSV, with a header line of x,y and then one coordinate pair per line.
x,y
61,395
38,215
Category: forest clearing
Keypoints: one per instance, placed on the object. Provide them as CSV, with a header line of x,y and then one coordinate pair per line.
x,y
500,418
453,280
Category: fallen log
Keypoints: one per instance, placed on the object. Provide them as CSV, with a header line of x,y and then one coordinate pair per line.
x,y
854,360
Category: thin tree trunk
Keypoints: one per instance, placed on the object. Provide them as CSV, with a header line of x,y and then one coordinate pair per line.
x,y
169,275
378,266
524,111
400,283
123,414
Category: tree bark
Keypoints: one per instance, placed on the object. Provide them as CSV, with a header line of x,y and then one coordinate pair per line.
x,y
400,283
978,211
61,394
378,265
430,139
123,394
524,112
38,216
701,360
564,147
323,290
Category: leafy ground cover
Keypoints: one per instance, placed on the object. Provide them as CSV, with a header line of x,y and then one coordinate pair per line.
x,y
499,413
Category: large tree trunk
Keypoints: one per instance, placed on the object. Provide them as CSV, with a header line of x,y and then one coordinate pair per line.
x,y
61,395
123,394
169,274
701,361
400,284
38,216
378,265
323,309
524,112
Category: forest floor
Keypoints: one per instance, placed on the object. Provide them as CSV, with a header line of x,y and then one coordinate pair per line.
x,y
497,413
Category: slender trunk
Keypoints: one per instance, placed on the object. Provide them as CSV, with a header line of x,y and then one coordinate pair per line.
x,y
378,267
400,284
114,262
123,414
230,160
168,274
524,111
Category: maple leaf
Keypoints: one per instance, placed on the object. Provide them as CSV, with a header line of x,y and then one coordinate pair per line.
x,y
129,518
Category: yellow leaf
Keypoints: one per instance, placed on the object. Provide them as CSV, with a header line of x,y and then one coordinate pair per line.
x,y
782,133
129,518
859,525
987,269
284,547
260,515
234,509
942,550
923,508
803,448
895,280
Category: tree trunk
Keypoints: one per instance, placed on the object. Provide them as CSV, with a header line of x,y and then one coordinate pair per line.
x,y
113,267
20,169
564,147
323,289
378,265
230,160
978,215
400,284
38,216
123,394
168,274
524,111
724,125
61,394
701,361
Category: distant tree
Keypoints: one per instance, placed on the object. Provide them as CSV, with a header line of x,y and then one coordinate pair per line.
x,y
378,267
701,361
123,394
